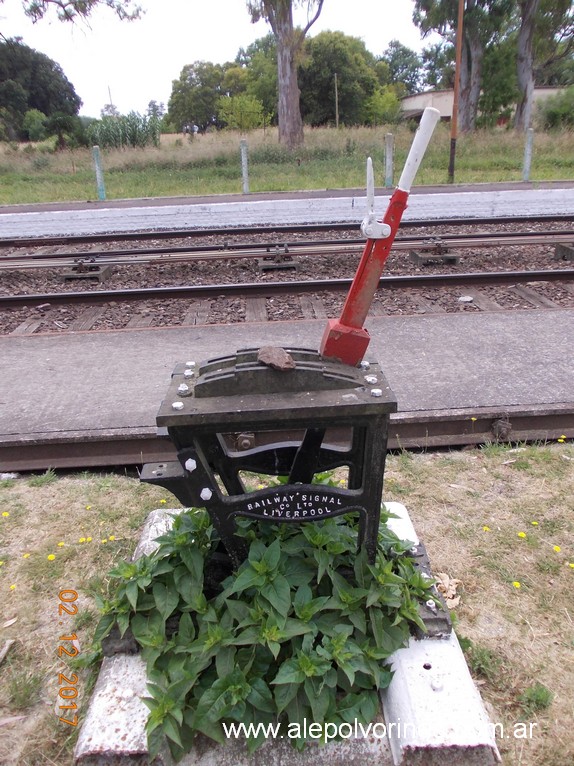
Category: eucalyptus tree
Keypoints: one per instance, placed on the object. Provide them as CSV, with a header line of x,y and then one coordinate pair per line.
x,y
71,10
289,38
485,22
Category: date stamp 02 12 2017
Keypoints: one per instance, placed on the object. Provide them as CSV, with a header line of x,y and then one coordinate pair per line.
x,y
67,681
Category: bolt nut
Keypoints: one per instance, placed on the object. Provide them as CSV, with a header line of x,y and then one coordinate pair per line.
x,y
188,373
190,465
365,365
183,389
206,493
177,406
190,364
376,392
431,604
371,379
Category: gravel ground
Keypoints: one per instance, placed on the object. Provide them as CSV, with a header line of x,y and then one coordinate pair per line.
x,y
222,310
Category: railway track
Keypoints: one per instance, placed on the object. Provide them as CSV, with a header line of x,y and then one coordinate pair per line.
x,y
276,301
406,288
150,291
278,250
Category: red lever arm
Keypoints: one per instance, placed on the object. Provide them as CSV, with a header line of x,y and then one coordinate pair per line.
x,y
345,338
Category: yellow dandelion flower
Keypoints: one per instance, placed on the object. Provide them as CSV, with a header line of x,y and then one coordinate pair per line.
x,y
82,540
522,534
516,584
51,557
25,555
485,528
61,545
1,563
111,538
5,514
557,548
162,501
88,507
104,541
261,486
534,523
474,420
571,565
88,539
12,587
562,438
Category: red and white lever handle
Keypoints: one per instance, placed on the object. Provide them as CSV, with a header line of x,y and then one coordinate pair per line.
x,y
345,338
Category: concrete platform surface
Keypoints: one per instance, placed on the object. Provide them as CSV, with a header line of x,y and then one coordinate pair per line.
x,y
264,210
90,384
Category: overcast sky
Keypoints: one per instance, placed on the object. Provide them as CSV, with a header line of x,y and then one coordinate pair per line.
x,y
136,62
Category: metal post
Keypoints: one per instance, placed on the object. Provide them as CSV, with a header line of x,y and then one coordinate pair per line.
x,y
99,172
454,117
528,154
244,166
389,157
336,101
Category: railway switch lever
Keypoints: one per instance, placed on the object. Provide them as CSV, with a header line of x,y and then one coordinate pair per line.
x,y
345,339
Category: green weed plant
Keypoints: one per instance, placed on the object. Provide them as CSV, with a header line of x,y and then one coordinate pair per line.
x,y
301,630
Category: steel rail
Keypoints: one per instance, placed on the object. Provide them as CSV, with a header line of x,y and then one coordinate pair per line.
x,y
430,429
28,241
249,289
235,251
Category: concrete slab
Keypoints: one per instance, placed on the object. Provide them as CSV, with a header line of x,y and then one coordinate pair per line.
x,y
282,210
90,384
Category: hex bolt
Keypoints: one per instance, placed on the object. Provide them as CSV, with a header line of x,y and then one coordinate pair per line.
x,y
376,392
365,365
188,373
183,389
190,465
371,379
431,605
177,406
190,364
206,493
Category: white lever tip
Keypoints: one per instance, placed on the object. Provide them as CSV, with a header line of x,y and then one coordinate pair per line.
x,y
421,140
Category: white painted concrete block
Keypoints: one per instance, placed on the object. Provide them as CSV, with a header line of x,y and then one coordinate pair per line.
x,y
436,710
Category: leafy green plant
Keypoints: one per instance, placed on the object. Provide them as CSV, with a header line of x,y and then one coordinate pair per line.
x,y
535,698
301,630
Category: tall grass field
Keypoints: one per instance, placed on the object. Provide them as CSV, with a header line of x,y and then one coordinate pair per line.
x,y
330,159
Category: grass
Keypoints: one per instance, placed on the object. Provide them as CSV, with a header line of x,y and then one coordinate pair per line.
x,y
514,616
330,159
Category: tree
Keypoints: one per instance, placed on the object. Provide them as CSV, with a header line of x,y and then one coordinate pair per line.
x,y
194,97
241,112
524,60
404,66
438,66
289,39
331,54
554,43
484,23
29,80
70,10
34,125
260,62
